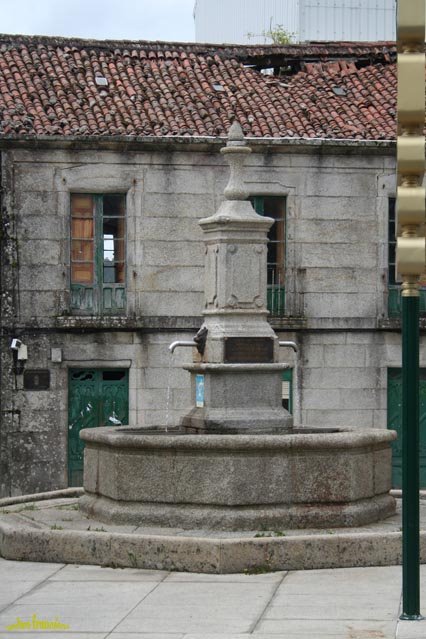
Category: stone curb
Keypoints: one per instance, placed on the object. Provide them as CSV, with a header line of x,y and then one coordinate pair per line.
x,y
53,494
397,493
79,491
201,554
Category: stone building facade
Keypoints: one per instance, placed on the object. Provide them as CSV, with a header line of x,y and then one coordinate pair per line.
x,y
97,328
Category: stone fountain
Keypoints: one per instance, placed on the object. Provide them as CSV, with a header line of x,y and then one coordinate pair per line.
x,y
236,462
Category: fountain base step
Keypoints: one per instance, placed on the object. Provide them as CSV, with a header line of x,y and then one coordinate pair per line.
x,y
270,517
58,532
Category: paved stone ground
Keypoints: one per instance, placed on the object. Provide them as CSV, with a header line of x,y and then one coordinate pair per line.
x,y
96,602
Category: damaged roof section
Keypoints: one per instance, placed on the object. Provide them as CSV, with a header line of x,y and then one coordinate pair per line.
x,y
63,87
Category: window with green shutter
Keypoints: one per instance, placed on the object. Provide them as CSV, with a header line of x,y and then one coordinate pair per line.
x,y
274,207
98,253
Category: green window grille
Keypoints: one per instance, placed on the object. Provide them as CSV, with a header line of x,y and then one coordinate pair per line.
x,y
98,253
274,207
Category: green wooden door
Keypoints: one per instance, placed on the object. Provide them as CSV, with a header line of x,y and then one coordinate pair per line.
x,y
394,423
95,398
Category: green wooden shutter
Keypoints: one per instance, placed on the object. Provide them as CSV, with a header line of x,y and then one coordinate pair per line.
x,y
258,202
105,294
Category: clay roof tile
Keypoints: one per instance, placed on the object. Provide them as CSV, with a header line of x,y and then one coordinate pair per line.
x,y
47,87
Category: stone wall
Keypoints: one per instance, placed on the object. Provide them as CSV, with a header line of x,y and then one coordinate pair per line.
x,y
335,285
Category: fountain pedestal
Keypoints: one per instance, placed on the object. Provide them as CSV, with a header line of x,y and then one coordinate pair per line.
x,y
239,370
238,398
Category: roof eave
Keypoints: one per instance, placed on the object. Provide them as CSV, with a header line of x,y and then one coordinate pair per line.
x,y
186,143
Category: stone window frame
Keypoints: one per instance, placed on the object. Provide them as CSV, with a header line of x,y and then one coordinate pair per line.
x,y
105,177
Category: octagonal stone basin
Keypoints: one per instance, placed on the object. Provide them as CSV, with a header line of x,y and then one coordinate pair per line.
x,y
303,478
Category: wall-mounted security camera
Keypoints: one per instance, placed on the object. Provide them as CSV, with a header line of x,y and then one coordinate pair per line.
x,y
20,355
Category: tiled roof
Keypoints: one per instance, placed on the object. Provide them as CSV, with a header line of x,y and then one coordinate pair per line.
x,y
62,87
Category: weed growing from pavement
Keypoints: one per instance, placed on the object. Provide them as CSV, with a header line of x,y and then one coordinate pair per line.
x,y
133,559
68,507
26,507
257,570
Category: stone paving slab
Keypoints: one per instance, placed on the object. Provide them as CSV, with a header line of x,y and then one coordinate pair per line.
x,y
54,530
411,629
96,602
29,571
57,635
327,629
353,582
79,617
76,572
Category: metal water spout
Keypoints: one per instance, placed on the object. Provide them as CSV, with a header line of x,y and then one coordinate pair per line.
x,y
174,345
292,345
199,341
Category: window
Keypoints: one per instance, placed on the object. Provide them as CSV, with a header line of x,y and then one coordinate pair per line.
x,y
98,268
274,207
394,292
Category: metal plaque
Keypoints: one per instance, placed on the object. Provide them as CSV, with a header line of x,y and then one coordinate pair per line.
x,y
249,350
199,391
37,379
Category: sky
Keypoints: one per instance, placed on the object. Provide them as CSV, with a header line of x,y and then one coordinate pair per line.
x,y
169,20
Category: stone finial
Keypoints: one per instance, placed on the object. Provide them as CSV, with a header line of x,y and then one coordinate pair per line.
x,y
235,134
235,152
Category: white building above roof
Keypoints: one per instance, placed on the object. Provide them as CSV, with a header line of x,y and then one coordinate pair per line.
x,y
248,21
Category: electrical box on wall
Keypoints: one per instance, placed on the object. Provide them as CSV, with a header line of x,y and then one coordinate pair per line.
x,y
56,355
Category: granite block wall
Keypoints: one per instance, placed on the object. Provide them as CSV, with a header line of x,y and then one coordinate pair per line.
x,y
336,285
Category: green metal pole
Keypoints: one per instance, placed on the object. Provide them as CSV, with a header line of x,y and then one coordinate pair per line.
x,y
410,459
